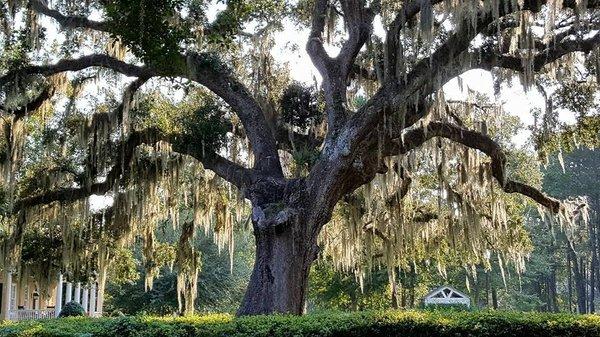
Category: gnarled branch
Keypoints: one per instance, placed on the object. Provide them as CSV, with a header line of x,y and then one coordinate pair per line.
x,y
68,21
84,62
478,141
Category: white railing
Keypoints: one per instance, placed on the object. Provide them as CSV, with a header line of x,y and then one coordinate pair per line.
x,y
25,314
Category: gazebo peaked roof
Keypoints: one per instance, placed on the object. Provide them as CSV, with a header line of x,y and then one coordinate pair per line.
x,y
440,289
446,295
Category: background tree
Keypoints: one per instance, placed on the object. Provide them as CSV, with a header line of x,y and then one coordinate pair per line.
x,y
381,101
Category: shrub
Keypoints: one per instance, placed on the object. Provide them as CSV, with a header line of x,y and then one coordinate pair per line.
x,y
327,324
72,309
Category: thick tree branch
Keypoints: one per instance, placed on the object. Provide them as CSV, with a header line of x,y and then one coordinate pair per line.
x,y
84,62
208,71
551,53
120,173
314,46
335,72
359,22
475,140
68,21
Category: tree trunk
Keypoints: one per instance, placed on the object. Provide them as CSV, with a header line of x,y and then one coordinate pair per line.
x,y
552,293
579,278
593,266
570,282
279,280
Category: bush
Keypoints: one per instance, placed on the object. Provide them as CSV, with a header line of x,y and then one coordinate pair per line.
x,y
327,324
72,309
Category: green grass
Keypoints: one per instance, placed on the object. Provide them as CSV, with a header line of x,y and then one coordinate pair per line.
x,y
384,324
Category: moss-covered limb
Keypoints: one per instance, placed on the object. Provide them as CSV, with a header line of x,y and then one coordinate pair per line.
x,y
100,122
393,45
125,151
549,54
475,140
68,21
33,105
94,60
119,173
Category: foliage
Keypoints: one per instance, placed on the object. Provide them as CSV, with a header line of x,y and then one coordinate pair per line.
x,y
334,290
124,268
151,29
374,323
200,120
299,106
72,309
220,286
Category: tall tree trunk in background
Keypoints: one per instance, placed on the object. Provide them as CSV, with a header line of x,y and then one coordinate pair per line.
x,y
569,282
597,248
487,289
552,293
593,266
475,291
540,294
579,278
494,298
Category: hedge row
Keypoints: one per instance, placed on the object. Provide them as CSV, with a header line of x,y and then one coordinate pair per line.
x,y
376,324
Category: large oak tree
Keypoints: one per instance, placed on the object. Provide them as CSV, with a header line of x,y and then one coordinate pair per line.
x,y
380,97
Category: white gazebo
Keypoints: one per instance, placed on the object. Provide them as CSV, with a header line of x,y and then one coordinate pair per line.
x,y
446,295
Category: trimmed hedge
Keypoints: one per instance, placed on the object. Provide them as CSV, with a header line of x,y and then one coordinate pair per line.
x,y
375,324
72,309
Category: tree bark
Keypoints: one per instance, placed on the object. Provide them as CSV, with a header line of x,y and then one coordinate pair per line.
x,y
279,280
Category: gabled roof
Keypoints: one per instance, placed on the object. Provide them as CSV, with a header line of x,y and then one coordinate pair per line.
x,y
441,289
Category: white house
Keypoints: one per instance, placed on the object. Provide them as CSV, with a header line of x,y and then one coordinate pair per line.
x,y
22,299
446,295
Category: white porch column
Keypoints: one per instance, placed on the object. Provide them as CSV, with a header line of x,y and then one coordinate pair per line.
x,y
69,295
77,292
6,288
93,299
85,297
59,295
